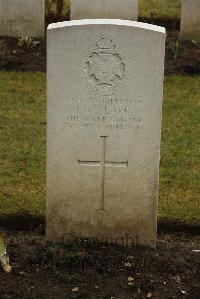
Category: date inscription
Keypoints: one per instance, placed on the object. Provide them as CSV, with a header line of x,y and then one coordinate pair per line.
x,y
111,114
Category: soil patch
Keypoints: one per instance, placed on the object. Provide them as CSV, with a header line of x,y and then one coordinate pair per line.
x,y
181,57
27,57
88,270
167,22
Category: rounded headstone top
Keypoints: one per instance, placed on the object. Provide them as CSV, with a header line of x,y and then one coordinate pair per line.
x,y
116,22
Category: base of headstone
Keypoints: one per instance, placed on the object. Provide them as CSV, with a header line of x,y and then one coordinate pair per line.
x,y
104,9
20,18
190,20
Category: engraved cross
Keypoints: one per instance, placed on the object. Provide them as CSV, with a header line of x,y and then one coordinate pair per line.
x,y
102,164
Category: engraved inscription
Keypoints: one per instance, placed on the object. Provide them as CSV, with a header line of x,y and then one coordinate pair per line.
x,y
102,164
104,67
121,114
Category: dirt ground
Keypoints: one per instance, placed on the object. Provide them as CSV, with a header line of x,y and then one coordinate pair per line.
x,y
87,270
181,57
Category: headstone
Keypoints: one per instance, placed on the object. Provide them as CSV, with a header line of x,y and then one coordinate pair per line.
x,y
22,18
104,9
105,90
190,20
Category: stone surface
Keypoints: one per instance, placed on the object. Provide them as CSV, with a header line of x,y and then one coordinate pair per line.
x,y
105,89
104,9
190,20
22,18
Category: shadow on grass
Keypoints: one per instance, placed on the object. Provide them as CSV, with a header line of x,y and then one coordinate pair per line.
x,y
28,222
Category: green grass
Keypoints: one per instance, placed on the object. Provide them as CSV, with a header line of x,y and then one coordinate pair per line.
x,y
159,8
22,133
22,153
180,151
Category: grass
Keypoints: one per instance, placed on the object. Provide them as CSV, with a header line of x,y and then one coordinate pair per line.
x,y
180,158
22,133
159,8
22,154
149,8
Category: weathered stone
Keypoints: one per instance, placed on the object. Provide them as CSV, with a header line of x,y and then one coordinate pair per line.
x,y
105,90
190,20
22,18
104,9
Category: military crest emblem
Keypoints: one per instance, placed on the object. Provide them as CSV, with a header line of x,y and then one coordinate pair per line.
x,y
104,67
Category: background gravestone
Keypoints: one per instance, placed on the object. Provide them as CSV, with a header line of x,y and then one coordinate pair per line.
x,y
190,20
105,89
22,18
104,9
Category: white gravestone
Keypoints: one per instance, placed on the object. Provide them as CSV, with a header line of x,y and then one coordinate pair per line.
x,y
22,18
105,90
190,20
104,9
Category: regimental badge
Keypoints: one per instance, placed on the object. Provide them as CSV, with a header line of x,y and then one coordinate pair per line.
x,y
104,67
